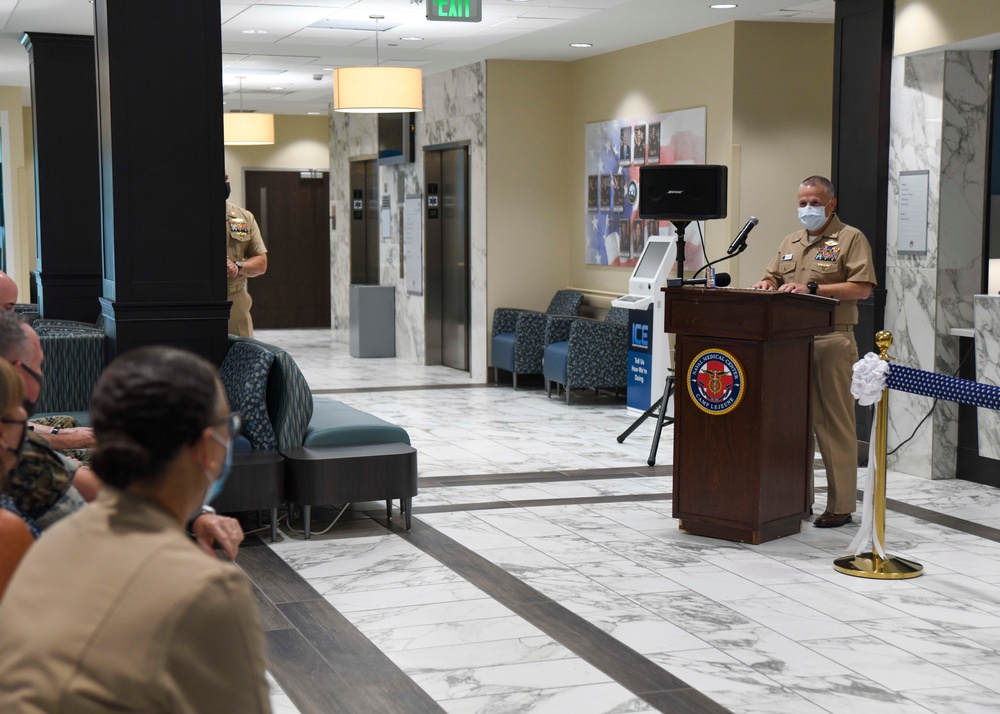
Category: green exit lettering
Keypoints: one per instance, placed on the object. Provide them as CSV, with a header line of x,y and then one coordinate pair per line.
x,y
455,10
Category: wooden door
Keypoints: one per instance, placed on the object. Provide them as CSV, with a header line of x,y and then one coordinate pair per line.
x,y
293,215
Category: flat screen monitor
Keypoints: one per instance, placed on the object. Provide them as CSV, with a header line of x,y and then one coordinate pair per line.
x,y
687,192
650,261
396,139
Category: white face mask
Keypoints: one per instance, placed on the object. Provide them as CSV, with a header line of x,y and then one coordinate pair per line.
x,y
812,217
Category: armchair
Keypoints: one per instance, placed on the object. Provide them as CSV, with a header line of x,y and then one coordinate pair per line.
x,y
518,335
582,353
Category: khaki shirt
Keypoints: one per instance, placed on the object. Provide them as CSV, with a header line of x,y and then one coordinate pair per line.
x,y
244,241
116,609
842,254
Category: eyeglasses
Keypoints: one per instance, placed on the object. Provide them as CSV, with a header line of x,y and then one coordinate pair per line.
x,y
234,421
37,376
20,439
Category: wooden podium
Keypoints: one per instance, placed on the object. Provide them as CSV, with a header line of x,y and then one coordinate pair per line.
x,y
742,428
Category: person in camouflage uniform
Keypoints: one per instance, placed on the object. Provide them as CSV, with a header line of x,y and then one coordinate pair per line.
x,y
43,484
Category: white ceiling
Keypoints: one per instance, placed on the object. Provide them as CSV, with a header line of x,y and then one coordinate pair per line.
x,y
287,69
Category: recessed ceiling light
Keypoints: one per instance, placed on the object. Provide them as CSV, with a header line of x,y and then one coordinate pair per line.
x,y
312,113
327,69
580,44
276,89
411,39
724,6
254,32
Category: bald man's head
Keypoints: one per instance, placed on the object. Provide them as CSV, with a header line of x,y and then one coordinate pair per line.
x,y
8,292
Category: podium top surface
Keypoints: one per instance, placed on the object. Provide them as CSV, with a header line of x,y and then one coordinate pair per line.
x,y
761,315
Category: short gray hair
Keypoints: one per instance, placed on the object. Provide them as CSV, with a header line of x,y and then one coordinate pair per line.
x,y
821,182
13,339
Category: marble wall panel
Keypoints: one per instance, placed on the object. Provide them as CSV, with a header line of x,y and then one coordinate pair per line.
x,y
939,124
987,318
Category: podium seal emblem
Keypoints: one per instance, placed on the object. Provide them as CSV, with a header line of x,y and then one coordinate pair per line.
x,y
715,381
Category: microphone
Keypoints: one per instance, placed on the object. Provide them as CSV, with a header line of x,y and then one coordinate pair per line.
x,y
740,241
722,280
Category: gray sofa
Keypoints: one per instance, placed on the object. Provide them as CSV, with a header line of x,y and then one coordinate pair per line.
x,y
316,438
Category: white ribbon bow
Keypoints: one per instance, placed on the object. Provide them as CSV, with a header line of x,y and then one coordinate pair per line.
x,y
871,374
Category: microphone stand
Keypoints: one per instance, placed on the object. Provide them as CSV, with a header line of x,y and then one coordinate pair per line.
x,y
743,247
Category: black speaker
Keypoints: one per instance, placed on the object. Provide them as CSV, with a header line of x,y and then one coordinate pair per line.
x,y
683,193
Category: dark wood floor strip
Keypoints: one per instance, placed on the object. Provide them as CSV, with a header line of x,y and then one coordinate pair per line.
x,y
535,503
941,519
358,670
322,662
405,388
632,670
544,477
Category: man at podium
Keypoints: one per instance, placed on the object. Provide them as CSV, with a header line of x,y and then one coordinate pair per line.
x,y
831,259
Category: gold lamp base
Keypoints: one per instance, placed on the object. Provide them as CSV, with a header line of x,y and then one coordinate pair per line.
x,y
872,565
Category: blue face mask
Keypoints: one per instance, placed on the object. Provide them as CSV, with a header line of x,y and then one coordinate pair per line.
x,y
813,217
215,487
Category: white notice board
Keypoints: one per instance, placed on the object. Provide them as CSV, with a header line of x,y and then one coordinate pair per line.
x,y
911,229
413,244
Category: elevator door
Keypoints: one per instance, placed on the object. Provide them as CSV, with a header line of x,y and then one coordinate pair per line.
x,y
365,268
446,178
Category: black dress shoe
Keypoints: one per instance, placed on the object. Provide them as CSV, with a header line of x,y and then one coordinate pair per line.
x,y
832,520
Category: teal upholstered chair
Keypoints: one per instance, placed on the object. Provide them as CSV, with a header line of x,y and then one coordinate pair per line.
x,y
519,335
264,384
587,354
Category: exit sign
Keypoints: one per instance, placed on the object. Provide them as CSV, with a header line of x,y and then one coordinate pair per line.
x,y
455,10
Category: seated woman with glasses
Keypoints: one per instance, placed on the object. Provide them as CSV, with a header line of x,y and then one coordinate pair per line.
x,y
17,532
116,608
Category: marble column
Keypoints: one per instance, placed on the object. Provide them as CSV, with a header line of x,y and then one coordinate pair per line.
x,y
939,124
987,316
454,110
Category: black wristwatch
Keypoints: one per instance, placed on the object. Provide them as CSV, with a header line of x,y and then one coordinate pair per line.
x,y
813,287
239,266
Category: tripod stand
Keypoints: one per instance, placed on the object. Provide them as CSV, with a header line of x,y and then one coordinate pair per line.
x,y
661,419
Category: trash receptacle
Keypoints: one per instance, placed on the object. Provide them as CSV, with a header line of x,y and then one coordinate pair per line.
x,y
373,320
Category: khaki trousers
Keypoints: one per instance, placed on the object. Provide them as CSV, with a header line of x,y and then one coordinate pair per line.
x,y
240,322
833,418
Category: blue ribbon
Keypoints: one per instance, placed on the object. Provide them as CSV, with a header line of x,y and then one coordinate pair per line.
x,y
942,386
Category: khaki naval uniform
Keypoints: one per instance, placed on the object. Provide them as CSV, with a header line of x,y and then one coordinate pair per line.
x,y
841,254
116,609
244,241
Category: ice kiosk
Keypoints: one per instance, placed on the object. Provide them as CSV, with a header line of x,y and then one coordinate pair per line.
x,y
648,353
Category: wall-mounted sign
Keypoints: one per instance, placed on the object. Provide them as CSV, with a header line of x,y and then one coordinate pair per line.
x,y
911,226
455,10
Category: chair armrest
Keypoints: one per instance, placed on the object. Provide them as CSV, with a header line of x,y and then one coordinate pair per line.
x,y
531,322
505,320
557,328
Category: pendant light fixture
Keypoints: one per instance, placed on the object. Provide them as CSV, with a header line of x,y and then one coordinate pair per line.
x,y
241,128
378,90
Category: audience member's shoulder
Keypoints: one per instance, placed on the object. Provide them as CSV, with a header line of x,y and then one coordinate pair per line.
x,y
13,530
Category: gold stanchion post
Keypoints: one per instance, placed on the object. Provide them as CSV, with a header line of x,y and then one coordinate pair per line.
x,y
871,564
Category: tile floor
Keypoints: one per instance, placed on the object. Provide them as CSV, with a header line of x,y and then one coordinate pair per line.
x,y
768,628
